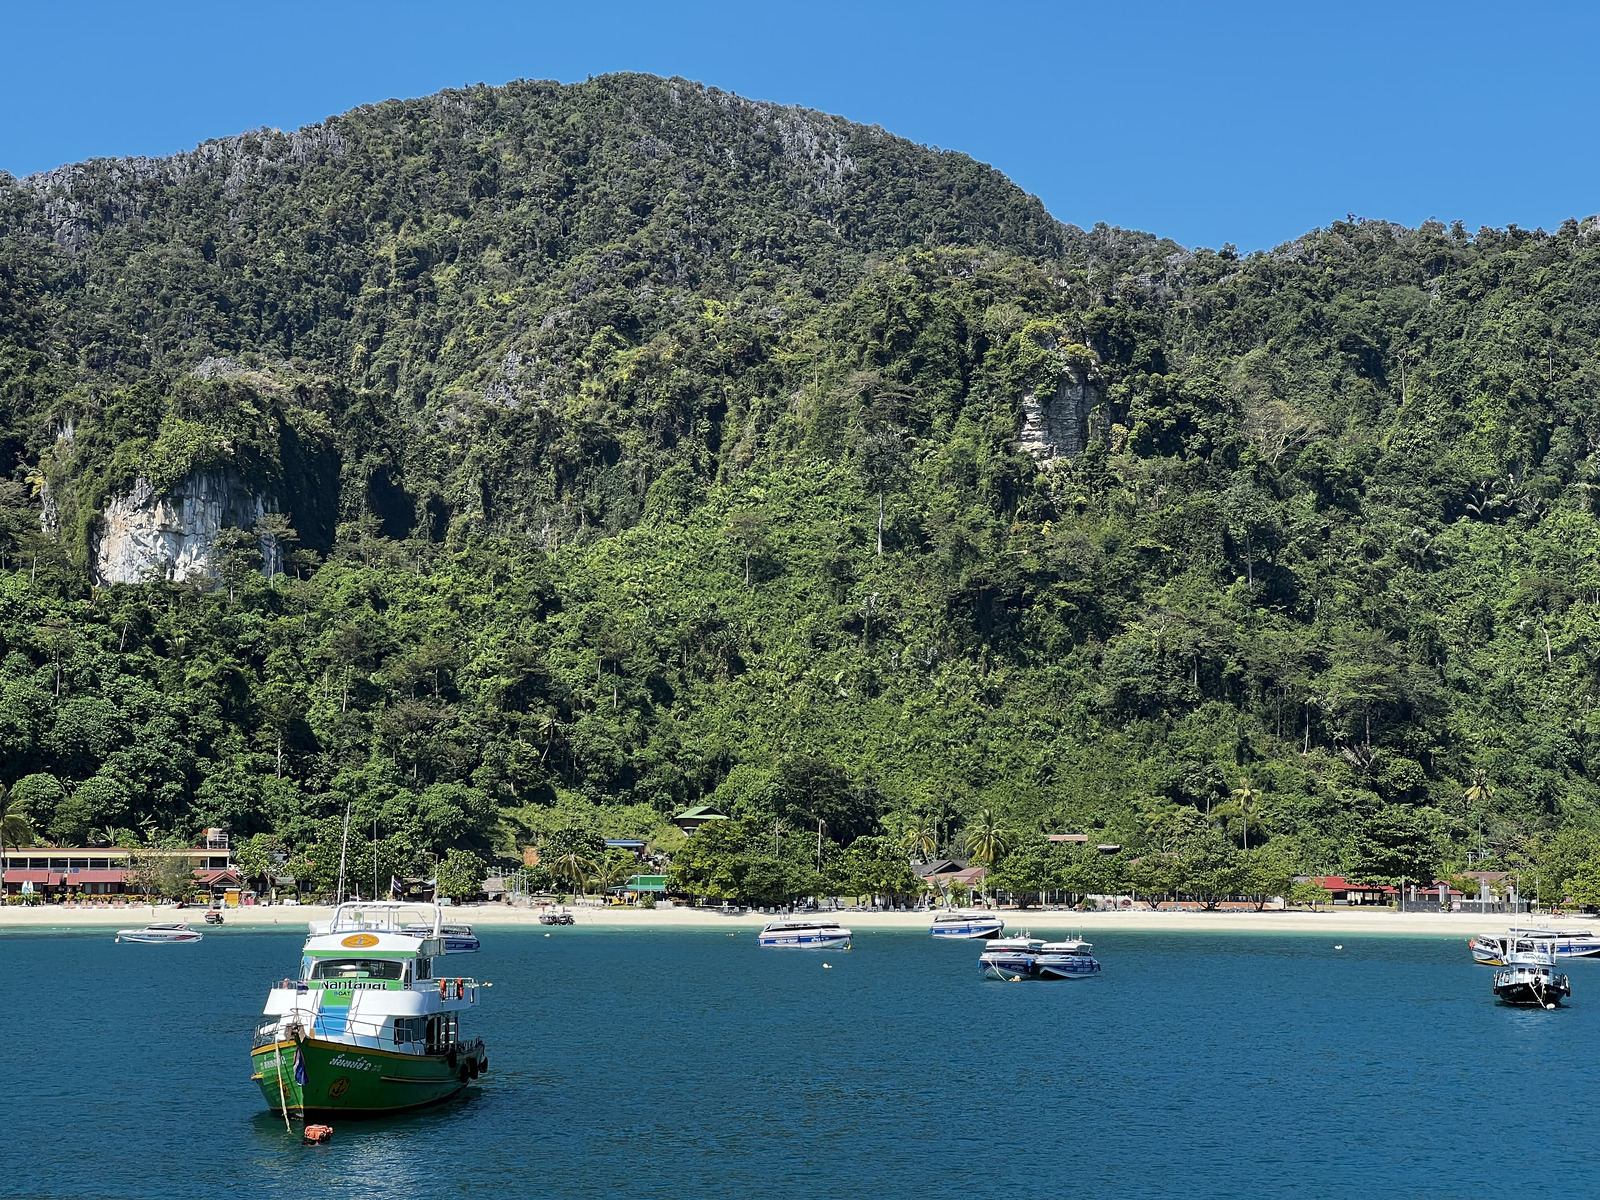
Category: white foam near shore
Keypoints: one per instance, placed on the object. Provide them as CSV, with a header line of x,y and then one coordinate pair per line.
x,y
1332,920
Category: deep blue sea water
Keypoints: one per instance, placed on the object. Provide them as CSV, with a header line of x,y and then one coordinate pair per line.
x,y
693,1064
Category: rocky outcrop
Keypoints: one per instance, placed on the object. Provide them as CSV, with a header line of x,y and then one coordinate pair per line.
x,y
1057,426
144,536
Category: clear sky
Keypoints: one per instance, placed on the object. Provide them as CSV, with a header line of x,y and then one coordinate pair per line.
x,y
1208,123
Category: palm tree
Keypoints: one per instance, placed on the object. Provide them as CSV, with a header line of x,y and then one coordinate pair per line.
x,y
987,841
612,870
15,827
1478,790
1246,805
921,839
573,868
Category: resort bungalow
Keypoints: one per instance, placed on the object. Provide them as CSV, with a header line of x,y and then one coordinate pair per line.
x,y
691,819
633,846
217,884
43,883
1345,892
112,881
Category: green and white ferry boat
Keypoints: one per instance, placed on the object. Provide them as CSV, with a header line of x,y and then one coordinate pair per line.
x,y
369,1027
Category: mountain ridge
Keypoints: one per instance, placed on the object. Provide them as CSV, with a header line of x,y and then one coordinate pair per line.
x,y
601,477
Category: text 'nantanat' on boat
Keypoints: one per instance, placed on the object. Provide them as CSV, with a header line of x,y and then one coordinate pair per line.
x,y
373,1023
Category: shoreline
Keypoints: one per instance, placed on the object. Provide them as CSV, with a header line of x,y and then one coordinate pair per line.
x,y
295,918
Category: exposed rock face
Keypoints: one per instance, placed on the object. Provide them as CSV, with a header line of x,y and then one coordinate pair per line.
x,y
144,536
1057,426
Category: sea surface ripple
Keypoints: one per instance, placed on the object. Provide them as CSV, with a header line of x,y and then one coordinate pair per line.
x,y
694,1064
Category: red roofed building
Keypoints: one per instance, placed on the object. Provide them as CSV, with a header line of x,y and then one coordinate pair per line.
x,y
217,884
1346,892
111,882
42,882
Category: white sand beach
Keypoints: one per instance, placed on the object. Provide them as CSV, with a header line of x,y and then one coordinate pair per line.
x,y
1332,920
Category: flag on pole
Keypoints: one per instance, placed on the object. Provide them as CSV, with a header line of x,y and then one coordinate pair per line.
x,y
394,886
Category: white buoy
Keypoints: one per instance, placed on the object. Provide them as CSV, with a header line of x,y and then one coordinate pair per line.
x,y
1338,947
547,935
827,966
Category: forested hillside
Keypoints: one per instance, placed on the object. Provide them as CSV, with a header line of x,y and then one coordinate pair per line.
x,y
633,445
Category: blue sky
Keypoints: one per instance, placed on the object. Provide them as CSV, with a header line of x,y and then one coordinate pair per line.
x,y
1208,123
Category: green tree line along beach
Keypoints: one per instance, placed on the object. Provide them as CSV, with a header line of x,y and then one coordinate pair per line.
x,y
520,466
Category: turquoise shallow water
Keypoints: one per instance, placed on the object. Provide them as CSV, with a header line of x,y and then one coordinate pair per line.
x,y
693,1064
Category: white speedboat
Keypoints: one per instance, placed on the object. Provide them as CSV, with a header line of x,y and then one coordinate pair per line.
x,y
160,934
458,939
1011,958
1067,960
1491,949
815,934
960,926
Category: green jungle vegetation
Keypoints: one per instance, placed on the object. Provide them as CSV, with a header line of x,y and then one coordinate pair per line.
x,y
632,446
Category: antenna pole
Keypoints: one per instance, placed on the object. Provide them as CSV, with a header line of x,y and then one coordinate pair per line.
x,y
343,846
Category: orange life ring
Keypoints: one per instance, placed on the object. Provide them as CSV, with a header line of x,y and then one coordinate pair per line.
x,y
444,989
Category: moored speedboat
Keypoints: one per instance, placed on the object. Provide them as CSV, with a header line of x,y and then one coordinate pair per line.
x,y
369,1027
960,926
815,934
1491,949
1067,960
1528,978
458,939
161,934
1013,959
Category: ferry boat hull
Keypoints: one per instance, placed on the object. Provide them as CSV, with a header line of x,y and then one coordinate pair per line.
x,y
1525,993
336,1079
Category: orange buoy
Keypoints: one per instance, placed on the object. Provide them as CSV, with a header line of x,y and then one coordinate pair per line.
x,y
317,1133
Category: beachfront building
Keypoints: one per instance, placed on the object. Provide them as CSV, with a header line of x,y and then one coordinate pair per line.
x,y
1346,892
59,871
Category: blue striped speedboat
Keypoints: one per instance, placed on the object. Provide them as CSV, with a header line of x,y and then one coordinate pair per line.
x,y
1018,959
814,934
959,926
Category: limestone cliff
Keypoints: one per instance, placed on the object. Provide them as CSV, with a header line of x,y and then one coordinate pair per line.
x,y
144,536
1056,425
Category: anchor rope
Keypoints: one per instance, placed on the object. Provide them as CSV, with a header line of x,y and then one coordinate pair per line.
x,y
283,1099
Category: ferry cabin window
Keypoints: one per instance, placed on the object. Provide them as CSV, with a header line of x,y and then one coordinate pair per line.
x,y
357,968
424,968
409,1029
